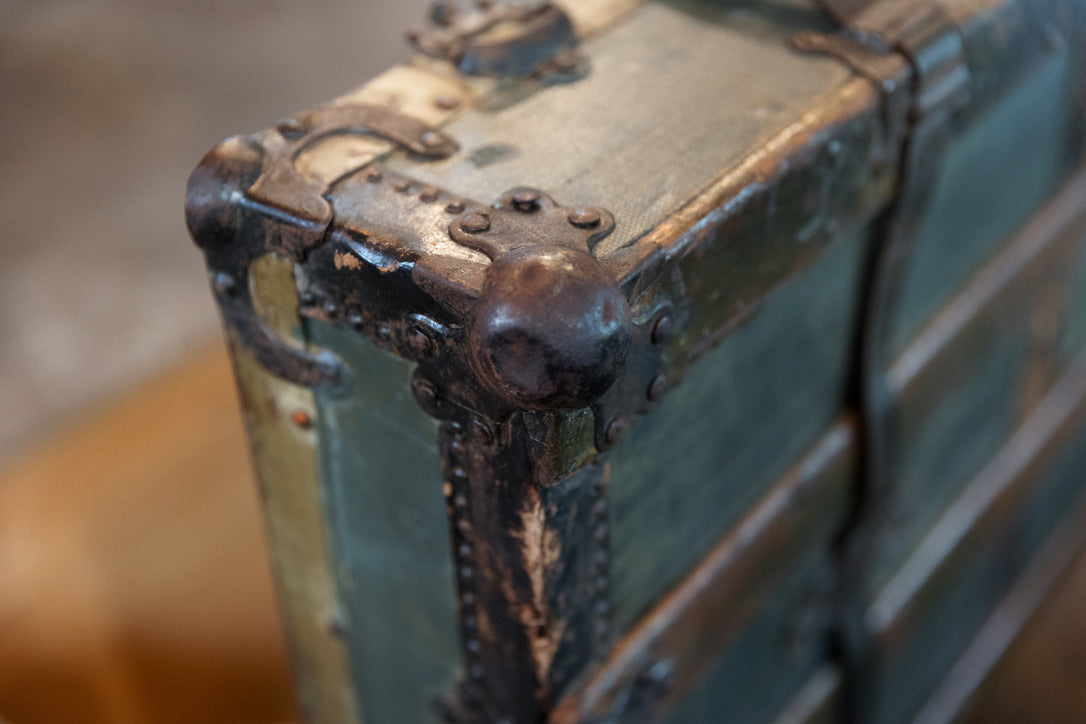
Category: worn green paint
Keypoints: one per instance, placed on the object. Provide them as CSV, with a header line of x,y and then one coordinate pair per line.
x,y
942,438
995,175
954,413
380,472
683,474
989,554
763,669
782,644
1073,333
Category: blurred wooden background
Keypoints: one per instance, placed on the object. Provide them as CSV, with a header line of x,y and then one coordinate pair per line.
x,y
105,108
133,580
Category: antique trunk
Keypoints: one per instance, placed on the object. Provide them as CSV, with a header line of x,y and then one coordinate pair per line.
x,y
687,361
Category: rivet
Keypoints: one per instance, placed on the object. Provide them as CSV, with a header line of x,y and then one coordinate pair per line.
x,y
599,509
225,284
476,671
468,599
472,646
425,392
402,185
657,388
290,129
475,223
459,473
601,559
446,102
614,431
603,608
454,207
463,526
356,320
464,550
585,218
600,534
526,200
429,194
466,573
602,629
421,343
460,502
470,622
482,433
601,584
661,675
372,175
661,330
302,419
330,308
432,139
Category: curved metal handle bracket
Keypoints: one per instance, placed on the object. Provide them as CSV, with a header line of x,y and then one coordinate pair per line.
x,y
246,327
233,232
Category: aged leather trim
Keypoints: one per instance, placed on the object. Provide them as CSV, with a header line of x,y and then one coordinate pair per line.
x,y
677,642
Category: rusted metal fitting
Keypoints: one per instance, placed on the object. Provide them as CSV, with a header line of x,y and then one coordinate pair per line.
x,y
585,218
526,200
302,419
551,328
614,430
661,329
657,388
426,394
475,223
501,39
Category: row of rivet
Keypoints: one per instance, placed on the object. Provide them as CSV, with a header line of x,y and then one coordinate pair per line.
x,y
601,565
458,507
616,426
427,193
416,337
601,557
478,222
661,332
293,129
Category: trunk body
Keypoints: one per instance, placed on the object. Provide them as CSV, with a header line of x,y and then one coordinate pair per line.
x,y
680,362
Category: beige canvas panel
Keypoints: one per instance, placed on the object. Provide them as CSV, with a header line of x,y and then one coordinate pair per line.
x,y
615,139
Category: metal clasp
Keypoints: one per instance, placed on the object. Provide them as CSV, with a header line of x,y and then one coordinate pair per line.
x,y
503,39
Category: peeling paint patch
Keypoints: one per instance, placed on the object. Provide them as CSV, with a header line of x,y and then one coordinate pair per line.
x,y
344,260
541,549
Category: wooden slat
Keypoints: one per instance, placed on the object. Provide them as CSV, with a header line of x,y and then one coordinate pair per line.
x,y
707,611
